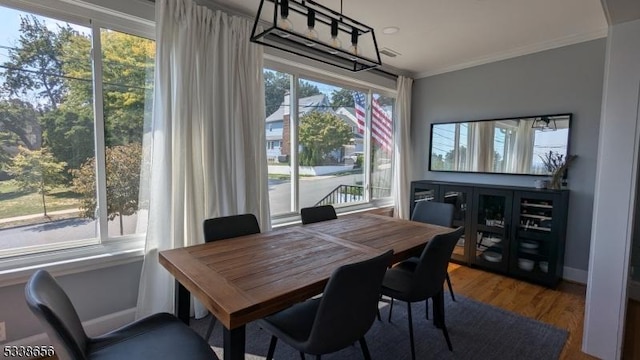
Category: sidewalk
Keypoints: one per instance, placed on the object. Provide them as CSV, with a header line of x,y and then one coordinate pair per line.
x,y
35,216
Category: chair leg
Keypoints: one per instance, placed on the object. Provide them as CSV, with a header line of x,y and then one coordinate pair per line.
x,y
365,349
413,348
272,347
210,329
450,287
302,356
438,316
426,308
390,310
446,336
318,357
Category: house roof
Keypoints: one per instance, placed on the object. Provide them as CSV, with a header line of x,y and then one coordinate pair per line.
x,y
318,102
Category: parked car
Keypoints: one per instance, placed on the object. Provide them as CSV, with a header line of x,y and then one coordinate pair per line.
x,y
353,156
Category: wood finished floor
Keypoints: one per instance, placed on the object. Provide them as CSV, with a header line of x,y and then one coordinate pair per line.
x,y
562,307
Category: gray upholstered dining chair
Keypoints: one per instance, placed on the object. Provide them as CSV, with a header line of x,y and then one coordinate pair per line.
x,y
228,227
342,316
436,213
159,336
316,214
425,281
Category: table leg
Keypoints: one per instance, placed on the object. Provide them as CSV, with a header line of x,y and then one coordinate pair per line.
x,y
233,343
438,309
182,303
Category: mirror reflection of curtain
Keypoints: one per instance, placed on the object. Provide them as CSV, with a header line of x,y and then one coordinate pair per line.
x,y
480,150
520,158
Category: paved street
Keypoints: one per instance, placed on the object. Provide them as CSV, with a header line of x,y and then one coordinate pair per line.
x,y
312,189
60,231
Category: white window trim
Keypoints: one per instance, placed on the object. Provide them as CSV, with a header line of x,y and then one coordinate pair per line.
x,y
297,71
85,254
127,249
79,12
16,270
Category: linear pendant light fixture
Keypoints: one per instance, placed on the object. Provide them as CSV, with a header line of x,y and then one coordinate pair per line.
x,y
309,29
544,123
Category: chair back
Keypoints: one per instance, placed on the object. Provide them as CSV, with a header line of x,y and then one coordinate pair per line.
x,y
316,214
348,305
433,212
431,270
51,305
227,227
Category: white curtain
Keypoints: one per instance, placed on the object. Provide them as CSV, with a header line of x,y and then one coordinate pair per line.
x,y
481,154
402,149
521,156
206,145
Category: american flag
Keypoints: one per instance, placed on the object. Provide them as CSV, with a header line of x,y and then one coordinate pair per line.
x,y
381,123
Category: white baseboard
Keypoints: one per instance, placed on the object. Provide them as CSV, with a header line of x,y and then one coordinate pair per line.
x,y
575,275
92,327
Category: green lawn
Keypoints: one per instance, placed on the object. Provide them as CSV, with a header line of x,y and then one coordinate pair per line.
x,y
13,202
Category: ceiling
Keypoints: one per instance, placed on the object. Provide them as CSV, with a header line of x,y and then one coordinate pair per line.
x,y
438,36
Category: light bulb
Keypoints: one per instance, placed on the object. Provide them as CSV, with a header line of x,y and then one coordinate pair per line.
x,y
285,24
353,49
354,43
335,43
311,34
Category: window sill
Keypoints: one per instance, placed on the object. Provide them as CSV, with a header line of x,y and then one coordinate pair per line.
x,y
356,208
16,270
70,261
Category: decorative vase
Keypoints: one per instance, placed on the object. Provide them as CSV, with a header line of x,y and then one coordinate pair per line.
x,y
556,180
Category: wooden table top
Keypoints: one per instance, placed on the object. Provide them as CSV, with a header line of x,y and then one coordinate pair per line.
x,y
247,278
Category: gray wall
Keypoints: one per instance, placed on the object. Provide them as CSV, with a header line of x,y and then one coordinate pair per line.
x,y
94,293
562,80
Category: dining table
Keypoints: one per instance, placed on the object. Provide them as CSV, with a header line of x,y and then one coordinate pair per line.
x,y
246,278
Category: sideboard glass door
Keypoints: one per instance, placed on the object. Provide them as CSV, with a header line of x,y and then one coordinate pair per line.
x,y
491,223
460,197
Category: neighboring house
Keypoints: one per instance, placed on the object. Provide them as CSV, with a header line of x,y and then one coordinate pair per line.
x,y
277,126
348,115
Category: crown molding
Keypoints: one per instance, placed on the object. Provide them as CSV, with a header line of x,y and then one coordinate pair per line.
x,y
520,51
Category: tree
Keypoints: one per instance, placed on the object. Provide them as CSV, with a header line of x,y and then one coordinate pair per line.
x,y
320,134
127,82
437,162
450,161
35,64
36,170
54,65
123,182
342,97
128,85
277,84
21,119
69,135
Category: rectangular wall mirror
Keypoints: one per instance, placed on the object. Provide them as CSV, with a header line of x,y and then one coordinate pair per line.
x,y
518,145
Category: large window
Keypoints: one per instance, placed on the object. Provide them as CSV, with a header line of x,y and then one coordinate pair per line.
x,y
336,144
69,175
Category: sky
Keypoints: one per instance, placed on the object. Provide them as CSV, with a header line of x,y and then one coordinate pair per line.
x,y
10,29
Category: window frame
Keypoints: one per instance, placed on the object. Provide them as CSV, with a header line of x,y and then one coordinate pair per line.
x,y
298,72
100,250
